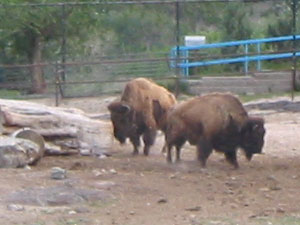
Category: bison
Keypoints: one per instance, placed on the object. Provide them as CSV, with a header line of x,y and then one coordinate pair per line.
x,y
133,116
214,121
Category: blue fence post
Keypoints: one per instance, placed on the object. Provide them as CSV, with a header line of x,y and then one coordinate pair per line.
x,y
246,59
258,61
186,60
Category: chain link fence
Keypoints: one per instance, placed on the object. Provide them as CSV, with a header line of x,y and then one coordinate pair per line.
x,y
129,39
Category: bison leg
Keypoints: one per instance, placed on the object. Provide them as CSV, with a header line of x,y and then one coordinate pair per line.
x,y
204,149
164,148
135,140
148,138
179,145
169,153
178,153
231,158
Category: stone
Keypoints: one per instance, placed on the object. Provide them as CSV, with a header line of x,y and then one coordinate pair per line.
x,y
162,200
58,173
29,134
61,195
14,207
17,152
59,125
194,209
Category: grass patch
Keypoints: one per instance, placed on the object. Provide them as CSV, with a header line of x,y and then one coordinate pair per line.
x,y
288,220
248,98
9,94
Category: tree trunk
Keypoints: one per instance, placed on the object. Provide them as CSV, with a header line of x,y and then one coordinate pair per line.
x,y
37,73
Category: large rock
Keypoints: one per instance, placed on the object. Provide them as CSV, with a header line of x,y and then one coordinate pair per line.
x,y
17,152
59,124
33,136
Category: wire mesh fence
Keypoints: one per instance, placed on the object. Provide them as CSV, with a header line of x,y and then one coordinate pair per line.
x,y
93,48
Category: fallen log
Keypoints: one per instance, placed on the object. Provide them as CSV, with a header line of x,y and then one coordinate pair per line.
x,y
56,124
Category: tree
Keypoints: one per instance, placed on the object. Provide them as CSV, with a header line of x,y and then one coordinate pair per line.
x,y
139,28
29,31
281,23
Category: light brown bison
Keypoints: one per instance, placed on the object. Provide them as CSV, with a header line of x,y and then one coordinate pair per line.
x,y
214,121
133,115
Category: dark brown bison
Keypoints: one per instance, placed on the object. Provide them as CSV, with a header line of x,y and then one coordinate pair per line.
x,y
133,115
214,121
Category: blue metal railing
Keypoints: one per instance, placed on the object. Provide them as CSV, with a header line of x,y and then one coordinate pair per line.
x,y
184,53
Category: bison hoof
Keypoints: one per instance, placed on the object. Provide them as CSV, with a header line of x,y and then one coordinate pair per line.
x,y
178,161
134,153
146,151
169,160
235,167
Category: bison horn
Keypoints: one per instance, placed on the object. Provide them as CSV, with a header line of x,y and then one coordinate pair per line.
x,y
125,108
119,107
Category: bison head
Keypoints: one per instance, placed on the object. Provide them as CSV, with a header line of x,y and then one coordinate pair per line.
x,y
121,117
252,137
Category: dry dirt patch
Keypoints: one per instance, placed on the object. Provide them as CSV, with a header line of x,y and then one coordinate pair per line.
x,y
147,190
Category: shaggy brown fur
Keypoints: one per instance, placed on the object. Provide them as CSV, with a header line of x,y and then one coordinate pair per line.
x,y
133,115
216,121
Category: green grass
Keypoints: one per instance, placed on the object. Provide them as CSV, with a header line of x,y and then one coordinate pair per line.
x,y
288,220
9,94
248,98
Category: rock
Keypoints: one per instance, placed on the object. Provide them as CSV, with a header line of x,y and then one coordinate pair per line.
x,y
97,173
57,123
13,207
85,152
58,173
78,166
81,210
162,200
17,152
113,171
61,195
28,134
280,210
72,212
194,209
104,184
264,189
102,156
54,149
172,176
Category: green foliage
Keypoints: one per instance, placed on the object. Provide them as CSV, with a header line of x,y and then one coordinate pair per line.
x,y
171,85
235,22
115,30
130,35
23,26
9,94
280,23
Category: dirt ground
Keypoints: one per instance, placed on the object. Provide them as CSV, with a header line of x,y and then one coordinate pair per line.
x,y
146,190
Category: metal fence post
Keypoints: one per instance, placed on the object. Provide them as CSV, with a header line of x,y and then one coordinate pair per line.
x,y
294,69
63,48
57,84
246,61
177,49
